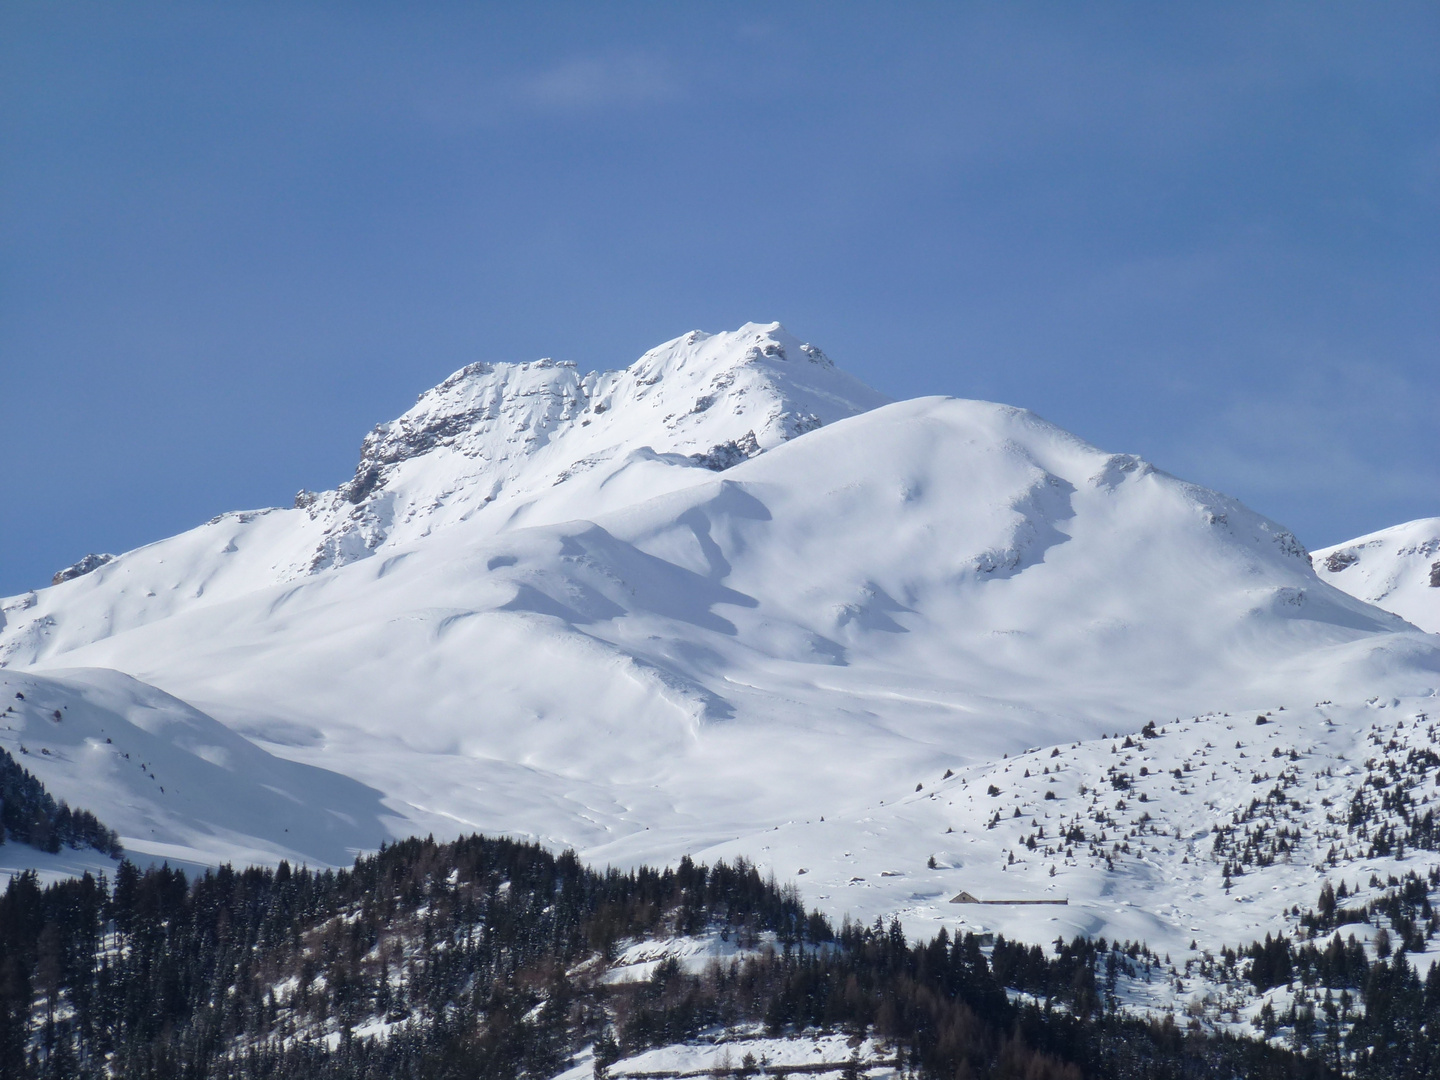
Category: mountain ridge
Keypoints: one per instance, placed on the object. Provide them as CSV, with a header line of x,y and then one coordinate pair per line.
x,y
523,425
631,653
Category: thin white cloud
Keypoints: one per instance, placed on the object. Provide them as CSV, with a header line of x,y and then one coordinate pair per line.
x,y
459,97
585,83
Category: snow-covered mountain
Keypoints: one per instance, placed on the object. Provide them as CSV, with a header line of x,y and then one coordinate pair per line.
x,y
1396,568
710,600
498,446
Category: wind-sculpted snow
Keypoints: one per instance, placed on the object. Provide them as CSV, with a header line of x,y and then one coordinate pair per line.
x,y
538,608
1396,568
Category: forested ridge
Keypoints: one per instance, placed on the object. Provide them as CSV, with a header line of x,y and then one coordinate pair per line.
x,y
482,957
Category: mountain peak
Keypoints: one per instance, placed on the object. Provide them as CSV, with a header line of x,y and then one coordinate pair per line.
x,y
530,395
504,445
752,343
496,438
1396,568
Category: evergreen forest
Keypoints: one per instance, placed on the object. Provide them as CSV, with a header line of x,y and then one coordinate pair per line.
x,y
482,958
29,814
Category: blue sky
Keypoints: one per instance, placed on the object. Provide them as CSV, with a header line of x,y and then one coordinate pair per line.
x,y
235,236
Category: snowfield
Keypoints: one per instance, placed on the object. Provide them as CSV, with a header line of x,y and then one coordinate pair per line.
x,y
1396,568
729,601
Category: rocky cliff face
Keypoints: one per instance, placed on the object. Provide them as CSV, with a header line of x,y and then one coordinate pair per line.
x,y
90,562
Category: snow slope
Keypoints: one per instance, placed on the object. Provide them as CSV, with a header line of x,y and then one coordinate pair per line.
x,y
1128,825
176,784
494,445
1396,568
717,596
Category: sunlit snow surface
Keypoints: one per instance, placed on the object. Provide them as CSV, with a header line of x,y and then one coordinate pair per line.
x,y
1396,568
699,605
176,785
806,1055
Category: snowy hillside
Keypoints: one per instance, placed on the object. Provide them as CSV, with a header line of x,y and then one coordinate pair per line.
x,y
1396,568
1206,829
699,604
174,783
